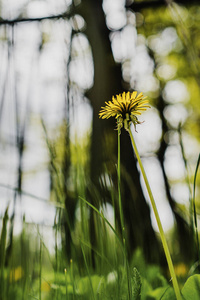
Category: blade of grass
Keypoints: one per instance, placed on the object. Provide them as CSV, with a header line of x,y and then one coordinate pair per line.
x,y
102,216
194,210
186,175
40,271
162,234
97,252
66,283
3,252
88,272
72,278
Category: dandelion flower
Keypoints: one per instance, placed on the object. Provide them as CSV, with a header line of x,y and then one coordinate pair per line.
x,y
125,107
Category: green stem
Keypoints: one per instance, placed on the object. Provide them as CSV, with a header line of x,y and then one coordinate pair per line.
x,y
194,211
122,218
119,185
40,278
162,235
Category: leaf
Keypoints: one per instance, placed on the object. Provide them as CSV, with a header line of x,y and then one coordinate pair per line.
x,y
161,293
146,288
191,289
136,285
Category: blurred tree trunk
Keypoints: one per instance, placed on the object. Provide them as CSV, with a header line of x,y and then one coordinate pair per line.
x,y
108,82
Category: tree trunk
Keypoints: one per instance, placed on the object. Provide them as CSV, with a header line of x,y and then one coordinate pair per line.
x,y
108,82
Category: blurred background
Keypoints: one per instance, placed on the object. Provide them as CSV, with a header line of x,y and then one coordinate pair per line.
x,y
59,62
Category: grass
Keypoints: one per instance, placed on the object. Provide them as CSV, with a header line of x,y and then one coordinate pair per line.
x,y
37,275
76,281
92,271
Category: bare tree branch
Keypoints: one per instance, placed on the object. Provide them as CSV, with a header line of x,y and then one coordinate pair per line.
x,y
65,15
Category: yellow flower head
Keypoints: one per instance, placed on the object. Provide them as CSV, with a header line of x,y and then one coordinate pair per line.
x,y
125,108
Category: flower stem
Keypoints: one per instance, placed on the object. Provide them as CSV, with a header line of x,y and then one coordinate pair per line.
x,y
119,185
122,218
162,235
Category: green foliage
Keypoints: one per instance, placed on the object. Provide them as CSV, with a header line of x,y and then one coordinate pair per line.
x,y
164,293
147,282
191,289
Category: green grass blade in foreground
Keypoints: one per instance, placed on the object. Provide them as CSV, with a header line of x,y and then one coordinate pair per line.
x,y
40,272
162,235
3,253
66,283
122,216
119,186
89,277
107,222
194,208
72,278
87,244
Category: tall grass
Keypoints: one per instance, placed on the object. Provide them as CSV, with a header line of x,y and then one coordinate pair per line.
x,y
35,272
195,213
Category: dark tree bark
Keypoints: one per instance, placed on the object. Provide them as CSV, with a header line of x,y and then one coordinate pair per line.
x,y
108,82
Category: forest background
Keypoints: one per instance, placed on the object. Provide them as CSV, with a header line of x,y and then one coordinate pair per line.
x,y
60,62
